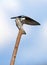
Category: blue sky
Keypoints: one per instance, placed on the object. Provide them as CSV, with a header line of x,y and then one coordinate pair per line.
x,y
33,46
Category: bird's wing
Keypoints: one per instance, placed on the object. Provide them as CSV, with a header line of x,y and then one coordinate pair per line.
x,y
30,21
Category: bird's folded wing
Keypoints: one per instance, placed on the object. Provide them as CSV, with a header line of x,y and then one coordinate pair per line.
x,y
30,21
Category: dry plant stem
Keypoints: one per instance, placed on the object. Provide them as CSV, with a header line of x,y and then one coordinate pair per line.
x,y
16,47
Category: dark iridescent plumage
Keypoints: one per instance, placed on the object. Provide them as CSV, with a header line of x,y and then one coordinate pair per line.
x,y
27,20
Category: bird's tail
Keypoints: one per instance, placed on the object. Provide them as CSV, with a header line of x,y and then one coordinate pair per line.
x,y
23,31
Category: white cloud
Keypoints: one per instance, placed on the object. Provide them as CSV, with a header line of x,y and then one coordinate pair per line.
x,y
44,29
10,5
7,33
43,37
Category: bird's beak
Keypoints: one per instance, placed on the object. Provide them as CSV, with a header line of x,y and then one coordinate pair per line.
x,y
13,17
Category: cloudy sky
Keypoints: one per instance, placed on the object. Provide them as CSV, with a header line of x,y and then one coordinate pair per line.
x,y
33,46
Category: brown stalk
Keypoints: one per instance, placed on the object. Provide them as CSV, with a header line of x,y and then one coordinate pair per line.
x,y
16,47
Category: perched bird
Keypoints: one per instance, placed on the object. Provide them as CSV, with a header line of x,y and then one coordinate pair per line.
x,y
20,20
